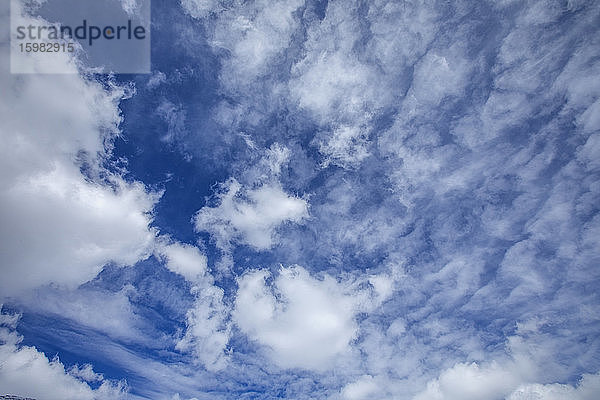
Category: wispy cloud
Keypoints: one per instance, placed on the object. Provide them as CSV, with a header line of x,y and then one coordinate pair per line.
x,y
405,203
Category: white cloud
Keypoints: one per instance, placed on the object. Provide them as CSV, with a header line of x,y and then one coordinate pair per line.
x,y
62,229
471,382
175,117
131,6
200,8
438,76
587,153
402,34
452,186
60,224
253,33
85,372
484,183
208,330
345,146
333,84
345,89
252,213
510,377
304,322
176,396
503,381
156,79
587,389
185,260
340,92
365,388
250,216
34,62
384,286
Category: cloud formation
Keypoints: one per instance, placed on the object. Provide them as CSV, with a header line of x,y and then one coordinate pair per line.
x,y
251,214
305,322
427,171
64,215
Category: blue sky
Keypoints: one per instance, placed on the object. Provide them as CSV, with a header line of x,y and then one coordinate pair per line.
x,y
310,200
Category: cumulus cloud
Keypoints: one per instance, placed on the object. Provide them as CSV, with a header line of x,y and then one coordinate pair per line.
x,y
57,222
508,381
62,229
364,388
586,389
207,328
64,216
470,381
305,322
85,372
251,214
184,259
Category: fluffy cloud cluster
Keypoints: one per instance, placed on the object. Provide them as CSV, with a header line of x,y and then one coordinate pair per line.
x,y
207,330
587,389
471,381
305,322
184,259
64,216
251,214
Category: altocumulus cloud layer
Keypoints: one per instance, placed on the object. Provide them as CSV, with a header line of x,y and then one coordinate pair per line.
x,y
310,200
